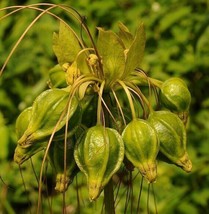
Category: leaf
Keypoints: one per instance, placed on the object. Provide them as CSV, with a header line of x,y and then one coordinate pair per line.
x,y
125,35
187,207
173,17
136,51
66,45
4,133
111,51
201,197
82,63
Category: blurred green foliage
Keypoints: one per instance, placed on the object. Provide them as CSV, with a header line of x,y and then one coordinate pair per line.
x,y
177,45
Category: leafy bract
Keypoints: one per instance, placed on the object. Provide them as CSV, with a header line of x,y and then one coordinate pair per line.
x,y
111,50
66,45
125,35
136,51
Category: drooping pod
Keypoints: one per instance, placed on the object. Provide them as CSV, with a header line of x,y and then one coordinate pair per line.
x,y
57,77
49,113
174,95
65,170
141,147
22,121
24,153
99,154
172,135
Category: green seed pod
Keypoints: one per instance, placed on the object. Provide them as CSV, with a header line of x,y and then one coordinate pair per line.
x,y
141,147
175,95
22,154
49,111
56,157
172,135
23,121
99,154
73,125
57,77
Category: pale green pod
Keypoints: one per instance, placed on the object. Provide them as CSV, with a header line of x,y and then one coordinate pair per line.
x,y
22,121
49,114
141,147
99,154
24,153
175,95
172,135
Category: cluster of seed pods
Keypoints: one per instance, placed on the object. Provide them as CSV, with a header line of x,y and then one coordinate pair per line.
x,y
97,112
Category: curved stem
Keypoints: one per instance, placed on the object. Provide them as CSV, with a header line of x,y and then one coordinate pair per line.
x,y
156,82
83,78
119,107
45,157
43,11
65,147
138,92
130,100
155,202
140,78
148,195
99,105
139,196
22,36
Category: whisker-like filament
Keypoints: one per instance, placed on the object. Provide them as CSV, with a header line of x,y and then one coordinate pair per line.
x,y
45,11
156,95
119,107
45,181
25,188
21,37
34,171
117,188
128,192
127,200
110,94
155,201
65,148
45,157
107,108
140,98
143,99
117,192
146,76
139,196
148,196
131,191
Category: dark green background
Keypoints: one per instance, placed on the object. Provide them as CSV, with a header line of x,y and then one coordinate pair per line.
x,y
177,45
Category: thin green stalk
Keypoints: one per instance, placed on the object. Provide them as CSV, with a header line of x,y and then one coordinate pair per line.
x,y
22,36
154,196
138,92
119,107
156,82
128,94
99,105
